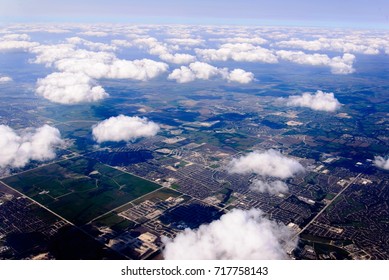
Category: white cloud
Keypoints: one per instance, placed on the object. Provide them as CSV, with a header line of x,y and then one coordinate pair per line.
x,y
238,52
142,70
320,101
16,150
177,58
15,45
91,45
124,128
16,37
272,187
69,88
338,65
240,76
121,43
5,79
205,71
345,45
185,41
237,235
381,162
248,40
75,84
94,33
97,65
164,51
48,54
269,163
342,65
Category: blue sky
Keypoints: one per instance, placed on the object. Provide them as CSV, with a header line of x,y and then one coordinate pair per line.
x,y
360,13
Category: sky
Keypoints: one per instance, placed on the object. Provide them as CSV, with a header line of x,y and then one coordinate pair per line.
x,y
358,13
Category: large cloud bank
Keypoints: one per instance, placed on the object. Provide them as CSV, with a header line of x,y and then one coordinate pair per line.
x,y
124,128
250,53
16,150
237,235
82,66
320,101
269,163
381,162
338,65
205,71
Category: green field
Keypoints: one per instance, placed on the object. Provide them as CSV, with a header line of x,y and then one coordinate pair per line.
x,y
80,189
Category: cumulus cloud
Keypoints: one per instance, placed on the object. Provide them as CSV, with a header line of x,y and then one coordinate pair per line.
x,y
69,88
79,67
14,45
16,42
124,128
91,45
237,235
143,70
269,163
97,65
338,65
16,150
16,37
345,45
164,52
320,101
272,187
205,71
381,162
238,52
94,33
5,79
240,76
185,41
248,40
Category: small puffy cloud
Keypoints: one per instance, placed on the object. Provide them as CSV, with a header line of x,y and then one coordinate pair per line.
x,y
18,149
205,71
164,52
69,88
91,45
5,79
124,128
182,75
273,187
16,37
320,101
269,163
237,235
16,42
185,41
248,40
121,43
240,76
177,58
16,45
238,52
94,33
381,162
338,65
